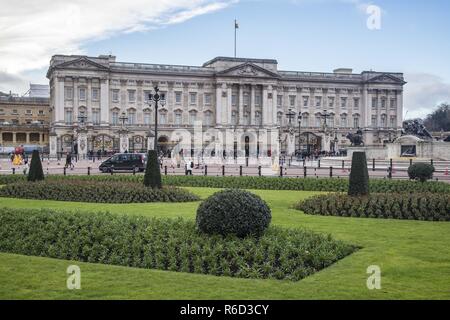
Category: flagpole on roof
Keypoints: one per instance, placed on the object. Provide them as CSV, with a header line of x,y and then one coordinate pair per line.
x,y
236,26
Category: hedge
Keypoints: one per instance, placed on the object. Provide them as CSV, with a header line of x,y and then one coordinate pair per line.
x,y
413,206
166,244
264,183
94,191
234,211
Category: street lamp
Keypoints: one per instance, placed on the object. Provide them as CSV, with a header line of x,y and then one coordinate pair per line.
x,y
299,119
325,115
123,117
290,115
82,118
156,98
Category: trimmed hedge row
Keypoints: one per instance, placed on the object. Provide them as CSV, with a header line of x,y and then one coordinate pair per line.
x,y
94,191
413,206
264,183
166,244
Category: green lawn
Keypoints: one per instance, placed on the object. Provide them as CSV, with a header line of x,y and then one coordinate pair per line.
x,y
414,257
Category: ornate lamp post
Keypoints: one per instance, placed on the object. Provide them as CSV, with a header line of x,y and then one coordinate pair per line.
x,y
156,99
299,119
81,136
123,133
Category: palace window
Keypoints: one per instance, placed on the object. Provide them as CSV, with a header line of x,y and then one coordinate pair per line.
x,y
318,123
330,121
208,118
234,99
147,117
68,117
234,118
318,102
305,101
374,103
383,103
383,121
178,118
292,101
146,96
246,99
305,121
68,93
247,118
208,98
82,94
258,119
331,102
393,121
393,104
115,95
374,122
131,96
115,118
95,116
356,103
131,117
279,100
192,117
279,118
178,97
343,103
258,99
193,98
356,122
162,118
95,94
344,123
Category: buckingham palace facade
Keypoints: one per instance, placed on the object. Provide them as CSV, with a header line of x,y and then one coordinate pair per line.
x,y
93,96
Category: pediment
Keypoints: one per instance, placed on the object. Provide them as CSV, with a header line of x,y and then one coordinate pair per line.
x,y
81,63
248,70
386,78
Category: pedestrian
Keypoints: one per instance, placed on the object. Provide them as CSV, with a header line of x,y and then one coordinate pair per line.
x,y
189,167
69,161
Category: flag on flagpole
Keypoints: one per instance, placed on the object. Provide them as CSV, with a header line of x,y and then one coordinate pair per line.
x,y
236,24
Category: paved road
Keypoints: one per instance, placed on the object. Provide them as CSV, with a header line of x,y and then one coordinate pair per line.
x,y
295,169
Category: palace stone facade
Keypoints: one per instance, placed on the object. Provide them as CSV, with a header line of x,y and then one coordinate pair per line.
x,y
242,95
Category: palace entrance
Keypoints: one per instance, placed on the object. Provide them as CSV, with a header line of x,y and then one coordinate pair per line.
x,y
309,143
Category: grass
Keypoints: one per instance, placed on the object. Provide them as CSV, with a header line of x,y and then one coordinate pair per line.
x,y
414,258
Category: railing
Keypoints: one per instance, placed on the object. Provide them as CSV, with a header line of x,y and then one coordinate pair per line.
x,y
320,168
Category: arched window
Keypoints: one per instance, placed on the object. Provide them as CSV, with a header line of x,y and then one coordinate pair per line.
x,y
192,117
131,116
178,117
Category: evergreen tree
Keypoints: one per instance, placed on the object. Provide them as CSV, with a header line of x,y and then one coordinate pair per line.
x,y
35,173
152,176
359,175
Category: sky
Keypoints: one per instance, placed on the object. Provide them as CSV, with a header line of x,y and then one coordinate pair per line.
x,y
303,35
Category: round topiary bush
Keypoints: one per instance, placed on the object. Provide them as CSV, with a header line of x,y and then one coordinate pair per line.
x,y
421,171
234,211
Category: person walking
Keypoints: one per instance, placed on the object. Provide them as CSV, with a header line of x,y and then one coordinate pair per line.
x,y
69,161
189,167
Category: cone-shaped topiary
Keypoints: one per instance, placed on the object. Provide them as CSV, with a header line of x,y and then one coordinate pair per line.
x,y
35,173
152,176
359,176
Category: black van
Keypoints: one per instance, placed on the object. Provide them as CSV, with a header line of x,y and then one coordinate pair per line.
x,y
124,161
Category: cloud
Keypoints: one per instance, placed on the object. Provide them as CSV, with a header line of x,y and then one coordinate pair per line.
x,y
423,93
32,31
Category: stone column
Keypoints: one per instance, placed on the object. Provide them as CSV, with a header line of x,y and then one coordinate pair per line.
x,y
229,102
59,100
124,142
241,104
75,100
252,105
53,143
291,144
219,104
275,106
104,101
399,108
265,106
82,143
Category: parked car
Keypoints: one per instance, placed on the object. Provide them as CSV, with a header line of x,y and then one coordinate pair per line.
x,y
124,162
